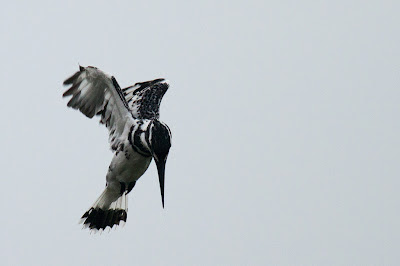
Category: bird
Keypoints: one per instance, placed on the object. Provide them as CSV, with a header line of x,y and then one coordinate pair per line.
x,y
136,136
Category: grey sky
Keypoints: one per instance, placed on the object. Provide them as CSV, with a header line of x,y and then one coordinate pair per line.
x,y
285,122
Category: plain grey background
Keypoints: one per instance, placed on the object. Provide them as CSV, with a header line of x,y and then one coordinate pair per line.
x,y
285,122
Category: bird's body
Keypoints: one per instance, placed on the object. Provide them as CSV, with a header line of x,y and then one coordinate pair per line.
x,y
127,165
136,136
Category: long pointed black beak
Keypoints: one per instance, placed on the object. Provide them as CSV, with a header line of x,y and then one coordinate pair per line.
x,y
161,176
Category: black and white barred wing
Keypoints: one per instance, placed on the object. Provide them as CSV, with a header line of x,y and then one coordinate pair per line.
x,y
96,93
144,98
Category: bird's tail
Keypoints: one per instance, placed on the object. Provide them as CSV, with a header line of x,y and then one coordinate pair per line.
x,y
109,209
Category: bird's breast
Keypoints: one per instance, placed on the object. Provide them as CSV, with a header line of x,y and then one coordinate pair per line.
x,y
128,165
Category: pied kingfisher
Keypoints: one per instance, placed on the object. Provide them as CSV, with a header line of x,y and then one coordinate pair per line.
x,y
136,135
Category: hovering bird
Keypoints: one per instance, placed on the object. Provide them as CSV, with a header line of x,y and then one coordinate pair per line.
x,y
136,135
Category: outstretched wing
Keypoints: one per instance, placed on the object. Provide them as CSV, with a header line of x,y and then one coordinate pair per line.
x,y
144,98
96,93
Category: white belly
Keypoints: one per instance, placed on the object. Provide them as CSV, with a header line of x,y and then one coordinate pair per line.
x,y
127,166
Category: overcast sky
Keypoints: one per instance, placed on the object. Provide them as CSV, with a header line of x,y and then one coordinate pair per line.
x,y
285,123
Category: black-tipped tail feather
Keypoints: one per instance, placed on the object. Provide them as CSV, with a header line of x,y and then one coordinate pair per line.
x,y
109,209
96,218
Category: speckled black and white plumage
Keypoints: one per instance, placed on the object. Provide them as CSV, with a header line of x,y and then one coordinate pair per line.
x,y
144,98
136,135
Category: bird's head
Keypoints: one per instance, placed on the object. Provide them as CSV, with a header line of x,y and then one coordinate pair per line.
x,y
160,138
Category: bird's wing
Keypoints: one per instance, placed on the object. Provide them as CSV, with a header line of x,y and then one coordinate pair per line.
x,y
144,98
96,93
